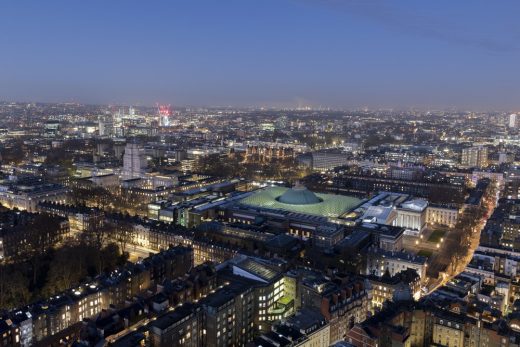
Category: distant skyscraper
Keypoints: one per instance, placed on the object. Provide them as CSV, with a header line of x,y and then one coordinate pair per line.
x,y
476,156
164,112
512,120
134,161
106,125
118,123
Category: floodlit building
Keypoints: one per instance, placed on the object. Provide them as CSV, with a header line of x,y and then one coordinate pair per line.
x,y
476,156
301,200
273,294
134,161
380,261
327,160
400,210
411,215
307,215
26,194
442,215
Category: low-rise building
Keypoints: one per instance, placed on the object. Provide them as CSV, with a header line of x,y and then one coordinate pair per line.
x,y
380,262
26,193
45,319
383,288
442,215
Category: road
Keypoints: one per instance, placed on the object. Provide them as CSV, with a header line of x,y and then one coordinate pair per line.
x,y
138,252
444,258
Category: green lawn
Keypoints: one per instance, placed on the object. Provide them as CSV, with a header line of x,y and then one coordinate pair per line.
x,y
436,235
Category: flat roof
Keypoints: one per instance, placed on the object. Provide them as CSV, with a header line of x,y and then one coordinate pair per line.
x,y
171,318
258,269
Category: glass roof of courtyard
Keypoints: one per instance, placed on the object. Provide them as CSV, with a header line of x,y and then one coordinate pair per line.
x,y
331,206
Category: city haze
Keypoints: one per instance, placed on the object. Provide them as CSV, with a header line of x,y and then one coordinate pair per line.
x,y
342,54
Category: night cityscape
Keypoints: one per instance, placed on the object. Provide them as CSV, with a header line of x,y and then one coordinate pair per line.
x,y
259,174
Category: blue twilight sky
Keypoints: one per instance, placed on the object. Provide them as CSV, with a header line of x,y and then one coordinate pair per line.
x,y
340,53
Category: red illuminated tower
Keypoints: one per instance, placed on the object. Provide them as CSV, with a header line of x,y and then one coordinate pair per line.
x,y
164,111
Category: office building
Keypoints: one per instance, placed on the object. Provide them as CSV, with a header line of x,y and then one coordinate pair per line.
x,y
134,161
106,126
476,156
328,160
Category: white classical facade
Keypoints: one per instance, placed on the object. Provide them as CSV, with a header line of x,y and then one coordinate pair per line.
x,y
380,261
411,215
442,215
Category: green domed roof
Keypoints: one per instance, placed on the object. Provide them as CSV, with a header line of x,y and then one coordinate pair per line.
x,y
299,195
328,205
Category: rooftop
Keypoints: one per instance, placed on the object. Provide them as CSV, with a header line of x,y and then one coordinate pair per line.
x,y
257,269
171,318
301,200
299,195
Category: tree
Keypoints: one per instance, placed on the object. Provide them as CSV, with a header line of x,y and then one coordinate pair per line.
x,y
79,196
93,196
109,257
100,197
97,235
41,233
122,233
14,287
58,270
66,269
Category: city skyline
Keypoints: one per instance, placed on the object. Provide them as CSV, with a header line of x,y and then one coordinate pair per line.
x,y
339,54
275,173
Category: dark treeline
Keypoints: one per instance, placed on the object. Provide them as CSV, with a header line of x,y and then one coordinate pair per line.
x,y
54,271
254,168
